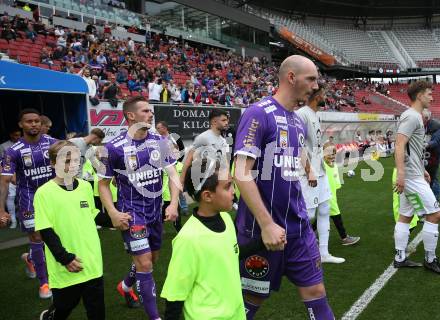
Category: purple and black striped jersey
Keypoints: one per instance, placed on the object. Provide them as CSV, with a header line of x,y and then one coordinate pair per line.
x,y
274,137
30,162
137,166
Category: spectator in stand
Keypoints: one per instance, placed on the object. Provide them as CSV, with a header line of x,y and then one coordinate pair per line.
x,y
111,90
226,99
154,90
62,42
189,95
59,31
30,32
164,94
203,97
175,93
70,57
122,75
85,73
46,57
8,33
130,46
134,84
101,59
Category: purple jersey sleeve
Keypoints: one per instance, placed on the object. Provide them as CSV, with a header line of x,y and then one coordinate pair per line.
x,y
107,160
9,162
250,132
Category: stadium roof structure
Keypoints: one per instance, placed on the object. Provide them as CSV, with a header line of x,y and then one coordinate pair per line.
x,y
351,8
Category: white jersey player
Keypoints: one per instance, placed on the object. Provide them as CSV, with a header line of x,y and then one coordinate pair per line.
x,y
315,187
416,197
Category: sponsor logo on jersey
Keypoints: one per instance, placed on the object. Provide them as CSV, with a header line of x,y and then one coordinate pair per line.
x,y
138,231
249,139
83,204
132,161
270,109
28,215
257,286
283,139
264,103
139,245
39,173
17,146
46,154
257,266
280,119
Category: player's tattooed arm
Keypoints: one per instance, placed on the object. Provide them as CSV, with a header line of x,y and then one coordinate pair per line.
x,y
119,219
4,187
273,235
399,156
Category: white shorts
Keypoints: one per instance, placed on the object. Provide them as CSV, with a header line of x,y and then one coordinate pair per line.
x,y
315,196
417,198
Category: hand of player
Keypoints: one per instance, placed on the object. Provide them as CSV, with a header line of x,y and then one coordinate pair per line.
x,y
74,265
274,237
312,180
120,220
427,177
400,184
171,213
4,219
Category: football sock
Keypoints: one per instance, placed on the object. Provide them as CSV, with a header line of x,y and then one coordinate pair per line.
x,y
251,310
319,309
430,237
147,293
337,220
37,258
130,278
323,226
401,235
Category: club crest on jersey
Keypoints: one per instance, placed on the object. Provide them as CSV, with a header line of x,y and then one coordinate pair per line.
x,y
27,159
257,266
138,232
283,139
132,162
155,155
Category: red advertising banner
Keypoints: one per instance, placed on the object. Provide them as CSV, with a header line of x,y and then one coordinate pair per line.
x,y
307,47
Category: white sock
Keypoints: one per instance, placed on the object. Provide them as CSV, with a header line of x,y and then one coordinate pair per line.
x,y
124,287
430,237
323,227
311,213
401,235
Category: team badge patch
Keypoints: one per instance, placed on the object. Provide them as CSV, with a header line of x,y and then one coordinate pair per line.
x,y
155,155
257,266
283,139
132,162
7,164
27,159
138,232
84,204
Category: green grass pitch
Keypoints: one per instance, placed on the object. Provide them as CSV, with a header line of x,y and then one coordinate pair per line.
x,y
366,209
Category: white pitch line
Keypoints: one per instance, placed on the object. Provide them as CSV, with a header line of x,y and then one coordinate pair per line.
x,y
369,294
